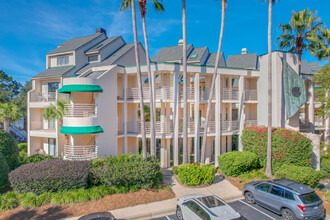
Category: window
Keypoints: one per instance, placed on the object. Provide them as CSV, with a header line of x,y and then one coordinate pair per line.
x,y
62,60
93,58
197,210
194,56
235,114
263,187
288,195
276,191
52,87
52,146
314,70
309,198
211,201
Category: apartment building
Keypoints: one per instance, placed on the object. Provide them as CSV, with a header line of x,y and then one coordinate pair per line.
x,y
97,76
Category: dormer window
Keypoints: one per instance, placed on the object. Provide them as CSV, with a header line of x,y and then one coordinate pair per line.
x,y
64,60
93,58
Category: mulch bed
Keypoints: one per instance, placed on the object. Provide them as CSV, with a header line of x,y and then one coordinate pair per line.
x,y
115,201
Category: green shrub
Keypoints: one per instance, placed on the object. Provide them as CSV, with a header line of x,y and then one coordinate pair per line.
x,y
9,201
175,170
126,170
288,147
22,147
121,189
28,200
4,170
9,149
304,175
236,162
196,174
44,198
325,164
50,176
34,158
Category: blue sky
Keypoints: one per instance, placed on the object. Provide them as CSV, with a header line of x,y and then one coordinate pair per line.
x,y
31,28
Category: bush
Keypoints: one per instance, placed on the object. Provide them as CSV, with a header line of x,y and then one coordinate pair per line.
x,y
9,201
325,164
22,147
196,174
126,170
9,149
236,162
304,175
34,158
50,176
288,147
175,170
4,170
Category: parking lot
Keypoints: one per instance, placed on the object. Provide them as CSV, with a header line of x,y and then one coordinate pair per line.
x,y
250,212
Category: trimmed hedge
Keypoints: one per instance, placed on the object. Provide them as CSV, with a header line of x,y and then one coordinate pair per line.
x,y
126,170
50,176
288,147
304,175
236,162
4,170
9,149
196,174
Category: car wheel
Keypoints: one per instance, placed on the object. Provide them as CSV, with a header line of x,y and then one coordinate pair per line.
x,y
249,198
179,214
287,214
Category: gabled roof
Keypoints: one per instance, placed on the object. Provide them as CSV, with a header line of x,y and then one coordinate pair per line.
x,y
246,61
170,53
74,43
102,44
211,60
309,67
111,59
54,71
197,54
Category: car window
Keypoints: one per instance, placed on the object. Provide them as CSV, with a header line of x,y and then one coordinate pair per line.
x,y
309,198
276,191
263,187
211,201
191,205
197,210
288,195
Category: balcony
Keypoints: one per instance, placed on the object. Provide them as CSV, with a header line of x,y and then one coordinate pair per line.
x,y
249,123
42,97
229,126
211,127
39,128
80,110
120,94
250,95
204,94
87,152
161,128
229,94
120,128
190,128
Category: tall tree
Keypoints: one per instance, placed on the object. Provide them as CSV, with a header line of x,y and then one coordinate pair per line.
x,y
124,6
21,99
300,34
9,88
216,65
185,84
320,42
8,112
322,79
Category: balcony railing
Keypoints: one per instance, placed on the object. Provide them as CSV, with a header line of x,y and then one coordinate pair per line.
x,y
230,94
211,127
250,95
80,110
120,128
120,94
205,94
229,125
133,93
249,123
42,97
190,128
87,152
161,128
39,125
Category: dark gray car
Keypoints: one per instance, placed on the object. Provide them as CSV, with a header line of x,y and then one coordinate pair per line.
x,y
290,199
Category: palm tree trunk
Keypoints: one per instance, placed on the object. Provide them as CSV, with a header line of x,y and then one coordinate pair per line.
x,y
216,65
184,61
139,79
269,141
151,92
6,125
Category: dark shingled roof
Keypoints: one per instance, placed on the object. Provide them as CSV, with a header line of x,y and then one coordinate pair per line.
x,y
74,43
111,59
212,57
246,61
170,54
309,67
54,71
102,44
199,51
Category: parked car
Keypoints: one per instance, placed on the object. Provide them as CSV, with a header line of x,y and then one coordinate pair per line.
x,y
98,216
290,199
197,206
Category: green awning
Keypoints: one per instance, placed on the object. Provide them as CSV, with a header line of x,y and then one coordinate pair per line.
x,y
80,88
81,130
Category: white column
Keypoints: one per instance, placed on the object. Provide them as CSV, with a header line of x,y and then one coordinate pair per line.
x,y
218,104
241,116
176,120
168,152
125,150
162,152
230,142
196,118
311,110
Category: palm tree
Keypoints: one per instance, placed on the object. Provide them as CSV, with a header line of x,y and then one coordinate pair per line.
x,y
125,5
299,35
216,65
321,44
185,84
8,112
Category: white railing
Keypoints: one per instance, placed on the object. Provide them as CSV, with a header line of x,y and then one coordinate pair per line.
x,y
229,125
204,94
80,110
191,127
211,127
42,97
164,93
230,94
120,128
249,123
190,93
87,152
120,94
319,122
250,95
161,128
133,93
39,125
